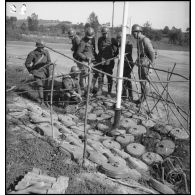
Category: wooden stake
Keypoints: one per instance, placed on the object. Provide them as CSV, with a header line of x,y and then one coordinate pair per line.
x,y
51,100
86,115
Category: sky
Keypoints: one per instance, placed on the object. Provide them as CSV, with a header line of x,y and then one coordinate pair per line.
x,y
158,13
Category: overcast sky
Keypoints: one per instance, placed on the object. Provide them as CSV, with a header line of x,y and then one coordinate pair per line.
x,y
158,13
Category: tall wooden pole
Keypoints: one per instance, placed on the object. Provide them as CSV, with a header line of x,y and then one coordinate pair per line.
x,y
120,69
113,19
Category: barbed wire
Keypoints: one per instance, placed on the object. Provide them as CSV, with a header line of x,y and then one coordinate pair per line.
x,y
92,67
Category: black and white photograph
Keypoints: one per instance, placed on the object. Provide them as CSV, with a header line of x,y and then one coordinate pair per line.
x,y
98,97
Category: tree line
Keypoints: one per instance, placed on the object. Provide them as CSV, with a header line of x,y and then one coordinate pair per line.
x,y
31,25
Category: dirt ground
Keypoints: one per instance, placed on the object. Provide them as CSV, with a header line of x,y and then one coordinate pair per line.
x,y
25,150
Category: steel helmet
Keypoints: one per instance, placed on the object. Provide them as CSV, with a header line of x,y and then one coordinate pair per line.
x,y
104,30
89,33
136,28
71,32
74,69
40,43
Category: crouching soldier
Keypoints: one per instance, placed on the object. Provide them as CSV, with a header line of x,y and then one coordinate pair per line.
x,y
38,63
71,91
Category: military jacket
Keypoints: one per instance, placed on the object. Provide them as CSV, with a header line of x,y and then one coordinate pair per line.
x,y
128,49
75,44
71,84
105,48
37,59
86,49
145,48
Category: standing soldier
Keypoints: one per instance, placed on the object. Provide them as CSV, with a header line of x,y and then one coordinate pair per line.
x,y
40,69
128,66
145,58
75,44
105,47
71,91
86,52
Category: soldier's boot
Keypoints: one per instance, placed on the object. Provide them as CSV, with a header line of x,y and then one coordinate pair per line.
x,y
124,93
109,87
46,100
143,91
66,100
100,86
93,85
130,92
40,93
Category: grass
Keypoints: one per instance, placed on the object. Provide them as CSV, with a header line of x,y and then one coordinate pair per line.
x,y
158,45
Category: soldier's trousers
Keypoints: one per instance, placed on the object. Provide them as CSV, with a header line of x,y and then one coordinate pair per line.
x,y
83,74
127,85
143,71
107,69
70,99
42,81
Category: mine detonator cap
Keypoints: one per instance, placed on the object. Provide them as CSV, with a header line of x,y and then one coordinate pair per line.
x,y
71,32
75,69
40,43
136,28
104,30
89,33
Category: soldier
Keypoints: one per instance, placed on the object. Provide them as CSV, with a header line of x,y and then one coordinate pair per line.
x,y
106,52
40,69
146,57
128,66
71,91
87,52
75,44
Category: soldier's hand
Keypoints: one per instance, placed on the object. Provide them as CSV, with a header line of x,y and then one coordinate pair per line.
x,y
89,60
150,71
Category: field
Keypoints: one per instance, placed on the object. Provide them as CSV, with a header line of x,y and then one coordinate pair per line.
x,y
26,150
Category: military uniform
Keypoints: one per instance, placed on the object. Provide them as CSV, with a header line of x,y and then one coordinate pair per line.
x,y
128,67
75,44
147,56
86,51
40,69
106,51
71,90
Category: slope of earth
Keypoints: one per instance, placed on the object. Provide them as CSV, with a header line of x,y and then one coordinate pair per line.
x,y
28,145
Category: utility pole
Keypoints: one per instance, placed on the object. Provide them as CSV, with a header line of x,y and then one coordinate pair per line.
x,y
113,19
121,67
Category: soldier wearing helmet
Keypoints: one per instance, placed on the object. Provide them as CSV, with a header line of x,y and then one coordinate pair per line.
x,y
105,48
38,64
87,52
71,91
144,60
75,41
128,66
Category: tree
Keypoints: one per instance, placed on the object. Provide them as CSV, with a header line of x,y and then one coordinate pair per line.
x,y
23,27
33,22
93,21
176,36
11,22
166,30
148,25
